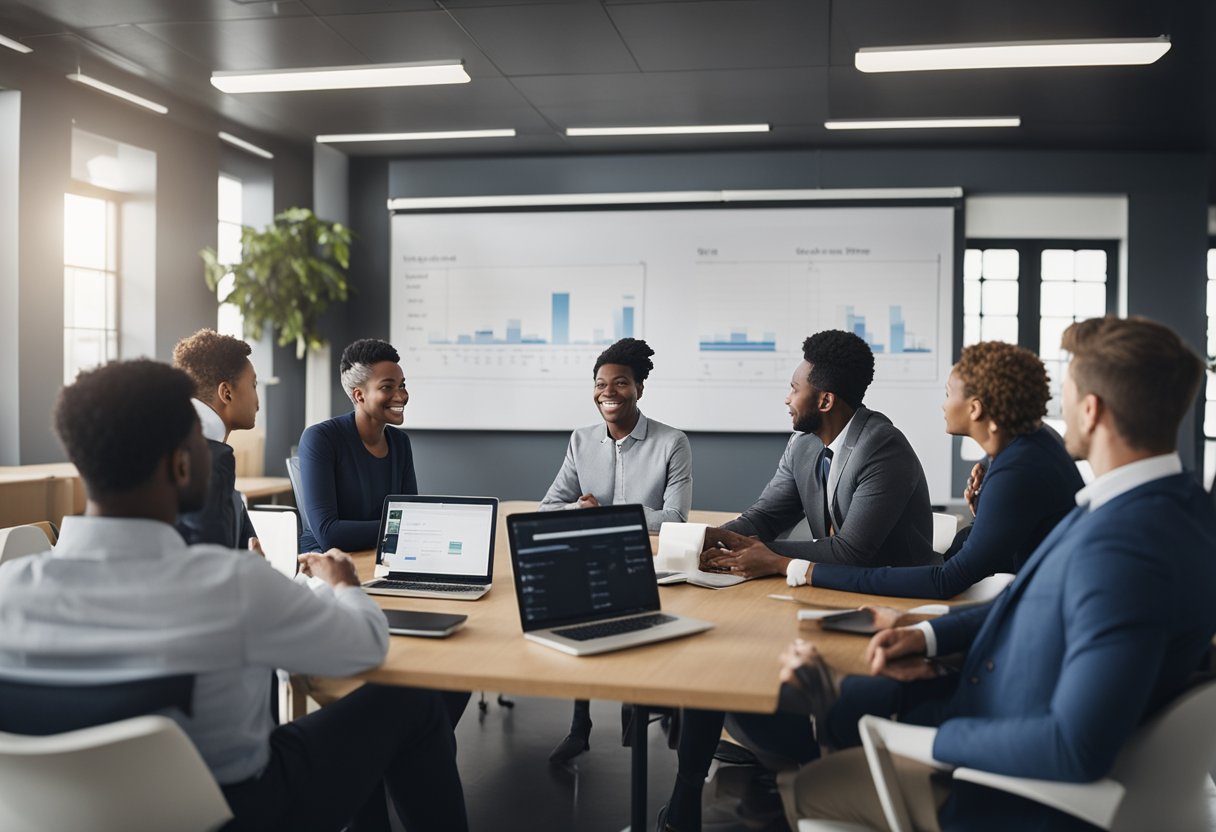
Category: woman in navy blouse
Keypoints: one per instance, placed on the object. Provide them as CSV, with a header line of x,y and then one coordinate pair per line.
x,y
997,394
350,463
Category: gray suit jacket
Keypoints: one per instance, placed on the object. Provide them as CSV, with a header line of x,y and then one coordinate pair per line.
x,y
880,506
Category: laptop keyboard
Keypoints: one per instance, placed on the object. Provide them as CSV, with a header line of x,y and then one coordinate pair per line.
x,y
419,585
614,628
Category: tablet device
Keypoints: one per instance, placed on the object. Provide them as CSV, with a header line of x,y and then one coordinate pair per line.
x,y
851,621
426,624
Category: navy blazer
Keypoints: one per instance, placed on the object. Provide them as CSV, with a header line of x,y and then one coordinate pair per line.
x,y
1102,627
1030,486
338,507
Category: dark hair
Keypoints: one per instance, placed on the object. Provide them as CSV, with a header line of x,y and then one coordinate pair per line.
x,y
634,353
119,421
841,363
209,359
1009,380
357,359
1141,370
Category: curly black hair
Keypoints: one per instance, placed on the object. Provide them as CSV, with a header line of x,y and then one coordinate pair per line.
x,y
634,353
841,363
209,359
119,421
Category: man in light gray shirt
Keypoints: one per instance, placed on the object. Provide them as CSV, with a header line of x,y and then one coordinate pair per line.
x,y
627,459
123,598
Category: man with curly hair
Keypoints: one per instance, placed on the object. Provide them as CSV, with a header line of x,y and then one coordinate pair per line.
x,y
226,399
855,478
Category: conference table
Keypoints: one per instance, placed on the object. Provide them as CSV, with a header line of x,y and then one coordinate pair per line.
x,y
732,667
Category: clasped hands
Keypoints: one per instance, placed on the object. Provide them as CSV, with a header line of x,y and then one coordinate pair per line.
x,y
895,652
734,554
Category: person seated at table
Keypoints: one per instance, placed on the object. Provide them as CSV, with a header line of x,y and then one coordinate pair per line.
x,y
350,463
626,459
856,479
226,398
122,597
997,394
1103,626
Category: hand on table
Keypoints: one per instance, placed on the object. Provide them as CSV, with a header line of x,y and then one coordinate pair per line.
x,y
334,567
587,501
900,654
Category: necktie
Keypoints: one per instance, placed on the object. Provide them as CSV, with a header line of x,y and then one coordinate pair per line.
x,y
823,466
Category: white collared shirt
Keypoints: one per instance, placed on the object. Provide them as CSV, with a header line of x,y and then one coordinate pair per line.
x,y
1126,477
213,425
121,599
836,447
1102,490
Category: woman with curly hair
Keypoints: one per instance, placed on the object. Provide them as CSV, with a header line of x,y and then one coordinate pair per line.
x,y
997,394
627,458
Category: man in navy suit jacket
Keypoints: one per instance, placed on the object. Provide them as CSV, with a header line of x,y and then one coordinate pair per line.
x,y
1102,627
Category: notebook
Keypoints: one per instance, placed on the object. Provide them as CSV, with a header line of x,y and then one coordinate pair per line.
x,y
585,582
435,547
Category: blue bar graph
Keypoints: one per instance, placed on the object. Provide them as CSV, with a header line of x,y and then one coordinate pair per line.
x,y
561,317
737,340
624,325
902,341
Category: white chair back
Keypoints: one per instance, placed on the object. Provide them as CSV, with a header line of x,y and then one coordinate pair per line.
x,y
19,541
279,534
136,775
945,527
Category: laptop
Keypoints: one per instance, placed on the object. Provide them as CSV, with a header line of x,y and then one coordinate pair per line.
x,y
435,547
585,581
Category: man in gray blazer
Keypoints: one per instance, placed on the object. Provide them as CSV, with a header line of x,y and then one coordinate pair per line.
x,y
847,469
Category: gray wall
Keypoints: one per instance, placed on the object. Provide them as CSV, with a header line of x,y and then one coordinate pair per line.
x,y
10,366
188,163
1166,268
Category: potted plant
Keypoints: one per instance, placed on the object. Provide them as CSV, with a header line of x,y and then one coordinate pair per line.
x,y
288,274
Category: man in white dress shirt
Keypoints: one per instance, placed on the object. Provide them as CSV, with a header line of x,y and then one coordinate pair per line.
x,y
122,597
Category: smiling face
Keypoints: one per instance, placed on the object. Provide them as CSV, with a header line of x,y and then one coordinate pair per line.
x,y
384,396
803,401
616,394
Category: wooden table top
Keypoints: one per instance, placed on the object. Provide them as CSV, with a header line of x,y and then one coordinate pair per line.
x,y
255,488
731,667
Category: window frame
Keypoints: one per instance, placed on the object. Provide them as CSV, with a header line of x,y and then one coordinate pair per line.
x,y
114,208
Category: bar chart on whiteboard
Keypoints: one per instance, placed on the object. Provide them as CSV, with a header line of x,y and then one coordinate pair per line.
x,y
527,322
506,312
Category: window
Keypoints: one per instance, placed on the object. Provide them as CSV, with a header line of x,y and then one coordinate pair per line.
x,y
1209,408
229,320
1029,291
90,283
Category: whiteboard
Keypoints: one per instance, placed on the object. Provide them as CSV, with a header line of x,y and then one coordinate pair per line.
x,y
499,317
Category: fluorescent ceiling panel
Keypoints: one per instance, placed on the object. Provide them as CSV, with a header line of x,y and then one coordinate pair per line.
x,y
342,77
250,147
1030,53
342,138
118,92
667,131
15,45
921,123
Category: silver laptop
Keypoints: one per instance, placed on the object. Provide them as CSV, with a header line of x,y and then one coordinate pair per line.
x,y
585,581
435,547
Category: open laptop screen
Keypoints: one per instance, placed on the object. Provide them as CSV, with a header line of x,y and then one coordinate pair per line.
x,y
450,536
583,565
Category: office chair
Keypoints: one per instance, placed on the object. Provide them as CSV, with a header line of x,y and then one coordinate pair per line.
x,y
91,757
19,541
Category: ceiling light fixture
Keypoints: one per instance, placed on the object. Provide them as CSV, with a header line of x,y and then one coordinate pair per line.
x,y
118,92
244,145
15,45
342,77
1040,53
668,131
340,138
921,123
